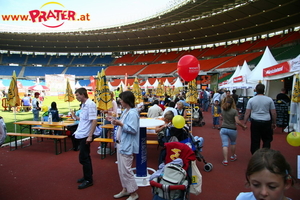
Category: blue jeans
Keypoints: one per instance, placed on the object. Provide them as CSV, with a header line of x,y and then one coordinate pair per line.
x,y
36,114
226,134
216,120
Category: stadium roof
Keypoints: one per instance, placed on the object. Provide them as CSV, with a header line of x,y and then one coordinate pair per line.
x,y
196,23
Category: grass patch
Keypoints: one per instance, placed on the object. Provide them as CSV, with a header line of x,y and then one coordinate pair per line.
x,y
10,117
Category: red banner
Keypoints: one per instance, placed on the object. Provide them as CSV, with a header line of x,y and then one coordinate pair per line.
x,y
276,69
238,79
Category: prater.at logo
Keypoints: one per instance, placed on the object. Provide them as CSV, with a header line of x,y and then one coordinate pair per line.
x,y
59,16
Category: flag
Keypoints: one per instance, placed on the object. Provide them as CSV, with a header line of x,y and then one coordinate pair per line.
x,y
13,98
69,96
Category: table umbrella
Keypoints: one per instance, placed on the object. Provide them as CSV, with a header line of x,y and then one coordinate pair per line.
x,y
103,96
159,90
296,91
38,88
13,98
136,90
69,96
191,95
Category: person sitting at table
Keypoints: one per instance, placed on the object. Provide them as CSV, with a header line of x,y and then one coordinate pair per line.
x,y
180,109
55,116
169,133
26,102
154,110
171,107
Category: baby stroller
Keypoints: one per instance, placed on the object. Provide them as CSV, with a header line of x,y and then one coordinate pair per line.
x,y
188,150
172,180
197,117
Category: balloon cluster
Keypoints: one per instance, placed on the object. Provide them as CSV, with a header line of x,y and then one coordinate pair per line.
x,y
188,67
293,139
178,121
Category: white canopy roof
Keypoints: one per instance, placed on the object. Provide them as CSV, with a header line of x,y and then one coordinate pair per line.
x,y
178,83
267,60
155,84
167,83
147,84
245,73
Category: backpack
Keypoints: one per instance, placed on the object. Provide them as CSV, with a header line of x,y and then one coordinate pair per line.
x,y
196,113
3,131
173,174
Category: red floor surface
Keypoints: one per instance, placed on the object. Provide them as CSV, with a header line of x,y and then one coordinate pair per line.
x,y
36,173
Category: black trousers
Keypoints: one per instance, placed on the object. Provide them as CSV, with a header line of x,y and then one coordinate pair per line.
x,y
260,130
85,159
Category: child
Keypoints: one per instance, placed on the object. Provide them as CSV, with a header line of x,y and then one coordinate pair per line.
x,y
216,111
269,175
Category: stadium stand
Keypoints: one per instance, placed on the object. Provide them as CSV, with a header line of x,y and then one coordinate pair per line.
x,y
239,60
149,58
60,60
122,70
170,56
83,60
8,70
106,60
41,71
166,68
83,71
38,59
128,58
13,58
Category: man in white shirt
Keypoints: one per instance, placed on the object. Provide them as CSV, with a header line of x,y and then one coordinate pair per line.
x,y
155,110
84,135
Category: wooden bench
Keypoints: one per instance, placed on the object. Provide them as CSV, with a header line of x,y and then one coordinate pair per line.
x,y
56,138
41,128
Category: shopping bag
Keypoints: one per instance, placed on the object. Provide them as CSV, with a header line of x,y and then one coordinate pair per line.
x,y
196,184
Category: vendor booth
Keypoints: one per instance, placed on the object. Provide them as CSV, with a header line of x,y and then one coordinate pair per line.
x,y
286,75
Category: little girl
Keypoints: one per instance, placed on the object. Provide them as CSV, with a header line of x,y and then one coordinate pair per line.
x,y
216,111
269,175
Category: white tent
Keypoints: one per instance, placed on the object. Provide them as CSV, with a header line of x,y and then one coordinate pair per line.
x,y
147,85
243,75
230,81
178,83
77,85
167,83
122,84
155,84
111,88
267,60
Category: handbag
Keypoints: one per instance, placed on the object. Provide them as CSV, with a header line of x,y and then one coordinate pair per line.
x,y
196,184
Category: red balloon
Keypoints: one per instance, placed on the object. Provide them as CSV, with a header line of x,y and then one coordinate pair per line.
x,y
188,67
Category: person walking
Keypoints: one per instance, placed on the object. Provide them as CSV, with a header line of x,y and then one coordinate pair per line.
x,y
84,136
228,130
127,139
216,112
263,119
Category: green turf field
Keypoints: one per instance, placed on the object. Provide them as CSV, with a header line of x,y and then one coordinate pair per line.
x,y
10,117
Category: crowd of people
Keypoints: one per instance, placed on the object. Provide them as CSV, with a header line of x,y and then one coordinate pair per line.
x,y
265,165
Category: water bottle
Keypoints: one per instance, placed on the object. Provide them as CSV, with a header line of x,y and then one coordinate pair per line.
x,y
50,118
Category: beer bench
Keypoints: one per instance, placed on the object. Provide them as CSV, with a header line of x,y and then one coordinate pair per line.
x,y
56,138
